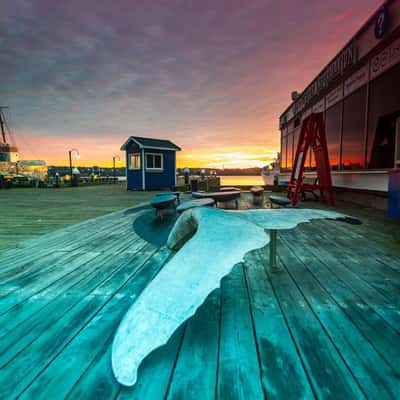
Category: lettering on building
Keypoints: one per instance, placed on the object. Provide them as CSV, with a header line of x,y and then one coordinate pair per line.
x,y
385,59
336,68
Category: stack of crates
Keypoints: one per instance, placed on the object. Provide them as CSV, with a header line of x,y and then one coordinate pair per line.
x,y
394,195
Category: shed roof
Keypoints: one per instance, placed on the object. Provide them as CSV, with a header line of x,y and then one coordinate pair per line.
x,y
150,143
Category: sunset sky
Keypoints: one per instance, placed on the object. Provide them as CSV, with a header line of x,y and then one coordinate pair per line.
x,y
212,76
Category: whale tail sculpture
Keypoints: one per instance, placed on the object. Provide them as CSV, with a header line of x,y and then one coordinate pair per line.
x,y
209,243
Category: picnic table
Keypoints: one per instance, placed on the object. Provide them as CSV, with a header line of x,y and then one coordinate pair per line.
x,y
163,202
177,194
219,197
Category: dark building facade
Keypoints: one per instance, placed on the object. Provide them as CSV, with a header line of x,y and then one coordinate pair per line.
x,y
359,95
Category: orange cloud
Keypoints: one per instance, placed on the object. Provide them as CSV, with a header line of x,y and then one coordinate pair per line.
x,y
100,151
54,149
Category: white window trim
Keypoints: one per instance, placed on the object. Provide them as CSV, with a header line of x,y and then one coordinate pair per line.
x,y
131,155
155,169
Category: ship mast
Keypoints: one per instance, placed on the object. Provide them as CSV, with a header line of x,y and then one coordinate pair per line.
x,y
2,121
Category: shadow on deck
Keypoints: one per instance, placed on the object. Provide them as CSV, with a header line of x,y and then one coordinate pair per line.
x,y
325,325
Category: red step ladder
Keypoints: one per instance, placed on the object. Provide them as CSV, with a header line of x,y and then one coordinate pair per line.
x,y
312,136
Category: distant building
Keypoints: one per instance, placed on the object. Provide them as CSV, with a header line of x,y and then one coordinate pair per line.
x,y
150,163
33,168
359,94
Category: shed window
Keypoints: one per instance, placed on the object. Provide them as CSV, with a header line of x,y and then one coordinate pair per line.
x,y
134,161
154,161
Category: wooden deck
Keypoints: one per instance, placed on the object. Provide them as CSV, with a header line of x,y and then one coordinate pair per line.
x,y
28,212
325,325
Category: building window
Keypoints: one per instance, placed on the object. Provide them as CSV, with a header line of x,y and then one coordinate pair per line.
x,y
134,161
333,133
296,138
289,157
283,152
154,161
398,143
354,109
384,109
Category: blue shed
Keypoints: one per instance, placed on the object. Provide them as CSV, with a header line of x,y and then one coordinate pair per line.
x,y
150,163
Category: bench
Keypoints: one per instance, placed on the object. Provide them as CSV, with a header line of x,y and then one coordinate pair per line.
x,y
177,194
280,201
219,197
229,189
162,203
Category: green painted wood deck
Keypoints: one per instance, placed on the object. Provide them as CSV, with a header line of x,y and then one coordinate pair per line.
x,y
28,212
325,324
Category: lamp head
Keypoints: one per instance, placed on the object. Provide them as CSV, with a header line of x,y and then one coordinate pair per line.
x,y
78,156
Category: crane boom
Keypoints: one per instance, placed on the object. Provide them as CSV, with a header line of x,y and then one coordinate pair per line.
x,y
3,132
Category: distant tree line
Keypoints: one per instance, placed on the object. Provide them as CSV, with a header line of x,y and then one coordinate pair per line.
x,y
102,171
86,171
223,172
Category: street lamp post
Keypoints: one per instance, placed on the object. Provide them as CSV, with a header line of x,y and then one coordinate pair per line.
x,y
70,161
114,158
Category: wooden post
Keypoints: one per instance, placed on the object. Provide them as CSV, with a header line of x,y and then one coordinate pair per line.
x,y
70,167
114,169
272,248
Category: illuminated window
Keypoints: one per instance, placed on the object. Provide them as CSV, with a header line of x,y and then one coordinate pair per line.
x,y
384,109
283,152
353,130
154,161
332,126
296,141
134,161
289,157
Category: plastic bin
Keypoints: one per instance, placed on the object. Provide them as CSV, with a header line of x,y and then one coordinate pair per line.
x,y
75,179
194,183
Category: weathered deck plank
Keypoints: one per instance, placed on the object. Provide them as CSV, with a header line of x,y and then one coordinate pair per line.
x,y
96,335
33,324
51,340
354,298
326,324
198,354
280,360
316,348
357,275
374,376
155,373
239,375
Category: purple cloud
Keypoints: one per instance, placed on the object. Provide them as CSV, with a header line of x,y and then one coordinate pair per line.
x,y
220,70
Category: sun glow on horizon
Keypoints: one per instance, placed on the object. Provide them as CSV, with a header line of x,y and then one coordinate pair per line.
x,y
230,158
99,151
192,159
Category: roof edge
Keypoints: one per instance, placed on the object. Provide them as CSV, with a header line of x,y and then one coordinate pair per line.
x,y
141,146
